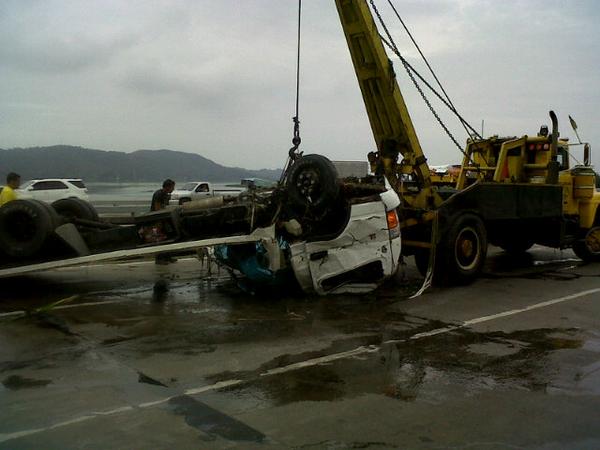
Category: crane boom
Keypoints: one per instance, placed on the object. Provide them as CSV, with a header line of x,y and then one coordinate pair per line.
x,y
390,121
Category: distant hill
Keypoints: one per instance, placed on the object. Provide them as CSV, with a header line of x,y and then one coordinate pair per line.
x,y
64,161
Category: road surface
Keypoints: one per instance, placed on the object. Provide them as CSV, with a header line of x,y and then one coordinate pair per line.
x,y
163,357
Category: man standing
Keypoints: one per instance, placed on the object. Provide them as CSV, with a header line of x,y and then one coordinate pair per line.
x,y
13,181
161,198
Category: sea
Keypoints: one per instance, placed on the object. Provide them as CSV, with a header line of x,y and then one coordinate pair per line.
x,y
112,192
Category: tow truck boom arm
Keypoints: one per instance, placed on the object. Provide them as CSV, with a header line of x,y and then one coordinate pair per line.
x,y
390,121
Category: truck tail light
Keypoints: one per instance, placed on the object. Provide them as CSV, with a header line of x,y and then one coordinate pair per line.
x,y
393,224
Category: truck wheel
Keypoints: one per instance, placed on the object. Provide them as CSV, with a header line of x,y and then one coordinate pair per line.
x,y
464,249
588,249
93,211
24,227
517,246
75,208
55,219
312,183
184,200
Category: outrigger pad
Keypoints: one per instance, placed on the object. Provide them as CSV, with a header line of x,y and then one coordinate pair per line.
x,y
69,234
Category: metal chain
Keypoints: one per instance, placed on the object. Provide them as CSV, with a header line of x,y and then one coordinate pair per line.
x,y
468,128
413,79
448,105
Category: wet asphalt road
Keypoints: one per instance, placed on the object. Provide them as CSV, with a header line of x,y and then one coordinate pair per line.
x,y
511,361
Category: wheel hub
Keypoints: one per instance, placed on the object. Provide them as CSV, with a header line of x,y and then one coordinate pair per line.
x,y
467,248
592,240
307,183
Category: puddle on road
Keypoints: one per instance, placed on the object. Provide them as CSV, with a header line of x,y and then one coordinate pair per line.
x,y
461,363
16,382
213,422
191,318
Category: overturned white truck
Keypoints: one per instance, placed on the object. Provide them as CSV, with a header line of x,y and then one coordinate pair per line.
x,y
323,234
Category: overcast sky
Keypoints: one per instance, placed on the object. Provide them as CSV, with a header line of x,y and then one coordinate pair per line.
x,y
218,77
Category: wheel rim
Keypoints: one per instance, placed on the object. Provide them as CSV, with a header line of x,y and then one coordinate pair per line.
x,y
467,249
592,240
308,184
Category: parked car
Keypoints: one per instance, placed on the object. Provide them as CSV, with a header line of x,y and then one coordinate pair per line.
x,y
197,190
50,190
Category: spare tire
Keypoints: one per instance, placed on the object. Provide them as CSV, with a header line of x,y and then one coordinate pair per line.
x,y
24,227
75,208
312,183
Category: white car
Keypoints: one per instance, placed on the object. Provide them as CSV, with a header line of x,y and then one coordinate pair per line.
x,y
51,189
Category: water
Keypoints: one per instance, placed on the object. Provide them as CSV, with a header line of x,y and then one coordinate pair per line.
x,y
101,192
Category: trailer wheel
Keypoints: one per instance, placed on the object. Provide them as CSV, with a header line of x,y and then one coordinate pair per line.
x,y
464,249
312,183
75,208
588,249
55,219
93,211
24,227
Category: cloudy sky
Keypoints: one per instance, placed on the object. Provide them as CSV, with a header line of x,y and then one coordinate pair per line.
x,y
218,77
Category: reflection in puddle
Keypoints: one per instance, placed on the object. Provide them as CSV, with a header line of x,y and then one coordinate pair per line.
x,y
213,422
459,363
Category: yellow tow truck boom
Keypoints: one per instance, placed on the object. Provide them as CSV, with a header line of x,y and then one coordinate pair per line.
x,y
390,120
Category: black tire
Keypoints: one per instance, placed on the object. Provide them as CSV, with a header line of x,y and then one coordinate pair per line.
x,y
463,250
184,200
588,248
25,225
55,218
517,246
75,208
312,183
93,211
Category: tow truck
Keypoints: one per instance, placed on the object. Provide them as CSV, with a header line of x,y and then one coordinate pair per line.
x,y
513,192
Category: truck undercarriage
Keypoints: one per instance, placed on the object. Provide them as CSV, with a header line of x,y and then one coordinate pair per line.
x,y
338,234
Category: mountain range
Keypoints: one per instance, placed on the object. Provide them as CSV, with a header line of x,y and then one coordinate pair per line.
x,y
65,161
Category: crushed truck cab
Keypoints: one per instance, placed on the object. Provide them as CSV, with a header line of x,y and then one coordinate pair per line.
x,y
357,261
